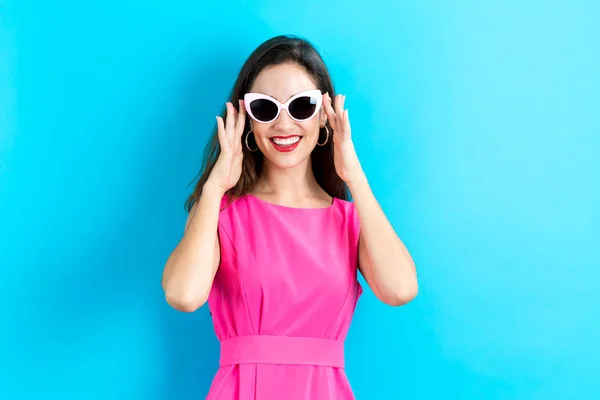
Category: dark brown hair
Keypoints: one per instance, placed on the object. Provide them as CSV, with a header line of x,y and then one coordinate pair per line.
x,y
275,51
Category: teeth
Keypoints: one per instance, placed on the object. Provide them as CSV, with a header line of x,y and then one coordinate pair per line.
x,y
287,141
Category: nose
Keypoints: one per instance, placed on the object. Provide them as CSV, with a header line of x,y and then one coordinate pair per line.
x,y
284,121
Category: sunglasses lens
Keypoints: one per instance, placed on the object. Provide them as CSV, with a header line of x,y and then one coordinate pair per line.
x,y
303,107
263,109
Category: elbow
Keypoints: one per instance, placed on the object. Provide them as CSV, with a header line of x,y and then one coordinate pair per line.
x,y
185,301
182,293
402,296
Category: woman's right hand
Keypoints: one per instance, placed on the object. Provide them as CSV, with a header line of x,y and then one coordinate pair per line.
x,y
228,168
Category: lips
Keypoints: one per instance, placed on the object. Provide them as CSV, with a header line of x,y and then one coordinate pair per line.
x,y
285,144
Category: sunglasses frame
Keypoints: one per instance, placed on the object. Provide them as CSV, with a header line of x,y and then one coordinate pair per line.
x,y
250,97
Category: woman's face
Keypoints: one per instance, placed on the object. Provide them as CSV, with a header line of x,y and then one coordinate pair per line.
x,y
286,143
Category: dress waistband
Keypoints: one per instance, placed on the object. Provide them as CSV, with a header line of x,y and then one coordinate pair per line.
x,y
266,349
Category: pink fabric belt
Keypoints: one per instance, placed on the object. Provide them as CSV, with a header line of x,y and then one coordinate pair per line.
x,y
265,349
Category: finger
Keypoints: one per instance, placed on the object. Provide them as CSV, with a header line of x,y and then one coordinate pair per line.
x,y
330,113
338,112
347,129
342,113
230,121
239,128
222,135
234,114
241,119
338,109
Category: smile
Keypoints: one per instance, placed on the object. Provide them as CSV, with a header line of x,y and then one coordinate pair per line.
x,y
285,144
287,141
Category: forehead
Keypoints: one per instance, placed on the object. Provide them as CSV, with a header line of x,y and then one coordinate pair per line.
x,y
283,81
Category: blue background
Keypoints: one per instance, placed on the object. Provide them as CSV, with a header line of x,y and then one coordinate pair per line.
x,y
478,124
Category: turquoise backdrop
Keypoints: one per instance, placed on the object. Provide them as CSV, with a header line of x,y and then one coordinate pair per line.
x,y
477,123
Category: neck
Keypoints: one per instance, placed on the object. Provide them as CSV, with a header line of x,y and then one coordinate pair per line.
x,y
288,183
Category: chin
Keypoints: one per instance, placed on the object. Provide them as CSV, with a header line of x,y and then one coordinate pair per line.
x,y
291,164
286,161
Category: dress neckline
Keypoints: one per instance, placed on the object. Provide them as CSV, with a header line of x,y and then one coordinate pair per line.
x,y
333,201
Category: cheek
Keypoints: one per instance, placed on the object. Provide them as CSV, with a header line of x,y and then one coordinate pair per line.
x,y
310,128
261,131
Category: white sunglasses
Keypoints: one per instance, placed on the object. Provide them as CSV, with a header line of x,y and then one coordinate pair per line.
x,y
300,107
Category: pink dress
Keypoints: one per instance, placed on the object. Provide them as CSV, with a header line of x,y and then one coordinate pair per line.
x,y
282,300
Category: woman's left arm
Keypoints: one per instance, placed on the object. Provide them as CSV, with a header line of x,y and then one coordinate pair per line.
x,y
383,259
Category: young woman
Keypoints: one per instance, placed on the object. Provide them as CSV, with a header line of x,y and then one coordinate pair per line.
x,y
273,242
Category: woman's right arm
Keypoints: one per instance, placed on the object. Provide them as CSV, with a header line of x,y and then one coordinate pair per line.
x,y
191,267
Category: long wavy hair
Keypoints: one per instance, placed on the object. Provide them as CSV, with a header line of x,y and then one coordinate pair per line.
x,y
275,51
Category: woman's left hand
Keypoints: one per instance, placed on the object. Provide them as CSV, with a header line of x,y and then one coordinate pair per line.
x,y
346,161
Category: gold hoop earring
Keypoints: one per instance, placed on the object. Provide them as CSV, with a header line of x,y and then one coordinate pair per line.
x,y
326,139
247,145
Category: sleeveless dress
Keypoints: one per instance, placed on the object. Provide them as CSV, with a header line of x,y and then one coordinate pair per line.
x,y
282,300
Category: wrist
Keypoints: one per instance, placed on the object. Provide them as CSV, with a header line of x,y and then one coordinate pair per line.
x,y
357,181
212,188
